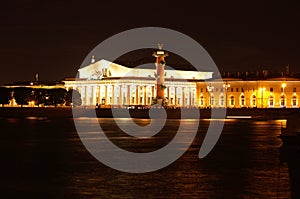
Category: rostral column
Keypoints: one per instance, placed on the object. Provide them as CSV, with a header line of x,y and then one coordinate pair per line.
x,y
160,72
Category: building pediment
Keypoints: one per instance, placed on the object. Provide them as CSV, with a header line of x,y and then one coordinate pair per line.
x,y
103,69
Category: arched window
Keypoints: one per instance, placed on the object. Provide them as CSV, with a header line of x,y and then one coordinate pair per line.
x,y
222,100
253,101
231,100
212,100
242,100
271,101
201,100
282,101
294,101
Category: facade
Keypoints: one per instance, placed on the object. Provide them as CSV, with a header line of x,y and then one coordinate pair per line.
x,y
237,93
109,84
106,83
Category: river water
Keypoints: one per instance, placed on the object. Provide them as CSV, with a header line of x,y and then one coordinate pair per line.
x,y
45,158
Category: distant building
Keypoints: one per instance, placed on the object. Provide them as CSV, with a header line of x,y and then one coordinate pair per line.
x,y
257,93
47,85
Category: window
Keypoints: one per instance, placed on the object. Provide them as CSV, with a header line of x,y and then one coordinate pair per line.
x,y
294,90
185,101
132,100
253,101
282,101
148,102
201,100
271,101
271,89
237,89
221,100
231,89
294,101
212,100
242,100
242,89
231,101
201,90
141,100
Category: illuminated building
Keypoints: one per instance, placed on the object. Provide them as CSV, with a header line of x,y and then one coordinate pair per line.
x,y
110,84
107,83
282,92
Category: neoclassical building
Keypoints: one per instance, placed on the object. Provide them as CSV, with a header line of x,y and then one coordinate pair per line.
x,y
260,93
110,84
107,83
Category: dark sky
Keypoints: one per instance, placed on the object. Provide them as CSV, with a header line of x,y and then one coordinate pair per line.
x,y
53,37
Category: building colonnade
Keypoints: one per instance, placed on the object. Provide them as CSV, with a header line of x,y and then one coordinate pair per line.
x,y
123,92
230,93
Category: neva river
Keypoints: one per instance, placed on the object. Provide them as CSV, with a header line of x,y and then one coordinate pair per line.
x,y
44,158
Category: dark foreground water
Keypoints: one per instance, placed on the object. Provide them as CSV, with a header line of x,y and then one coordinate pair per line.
x,y
44,158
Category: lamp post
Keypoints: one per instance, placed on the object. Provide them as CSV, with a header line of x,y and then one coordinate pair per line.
x,y
262,89
283,85
210,88
226,86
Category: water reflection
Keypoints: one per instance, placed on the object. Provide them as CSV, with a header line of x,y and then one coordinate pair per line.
x,y
46,158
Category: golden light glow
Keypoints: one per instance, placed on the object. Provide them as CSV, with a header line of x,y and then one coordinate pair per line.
x,y
283,85
160,52
262,89
226,85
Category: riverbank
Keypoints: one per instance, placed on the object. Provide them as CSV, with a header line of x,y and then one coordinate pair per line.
x,y
140,113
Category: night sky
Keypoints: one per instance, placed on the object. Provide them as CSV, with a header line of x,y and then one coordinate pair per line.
x,y
53,37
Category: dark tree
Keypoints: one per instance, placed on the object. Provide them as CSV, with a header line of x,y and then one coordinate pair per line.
x,y
23,95
57,96
73,97
41,96
5,95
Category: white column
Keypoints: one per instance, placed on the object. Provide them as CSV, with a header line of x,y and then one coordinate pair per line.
x,y
112,94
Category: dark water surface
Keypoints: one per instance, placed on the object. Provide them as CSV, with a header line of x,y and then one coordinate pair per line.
x,y
44,158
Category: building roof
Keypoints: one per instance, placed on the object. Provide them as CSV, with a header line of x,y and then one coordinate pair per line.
x,y
106,69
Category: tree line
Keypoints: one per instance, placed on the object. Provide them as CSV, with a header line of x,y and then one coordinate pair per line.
x,y
40,96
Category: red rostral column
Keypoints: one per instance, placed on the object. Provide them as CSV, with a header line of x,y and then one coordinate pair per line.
x,y
160,71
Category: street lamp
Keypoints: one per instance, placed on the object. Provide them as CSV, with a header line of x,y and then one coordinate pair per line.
x,y
262,89
226,86
210,88
283,85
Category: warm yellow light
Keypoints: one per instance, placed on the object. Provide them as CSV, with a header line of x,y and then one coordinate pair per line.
x,y
262,89
160,52
226,85
283,85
